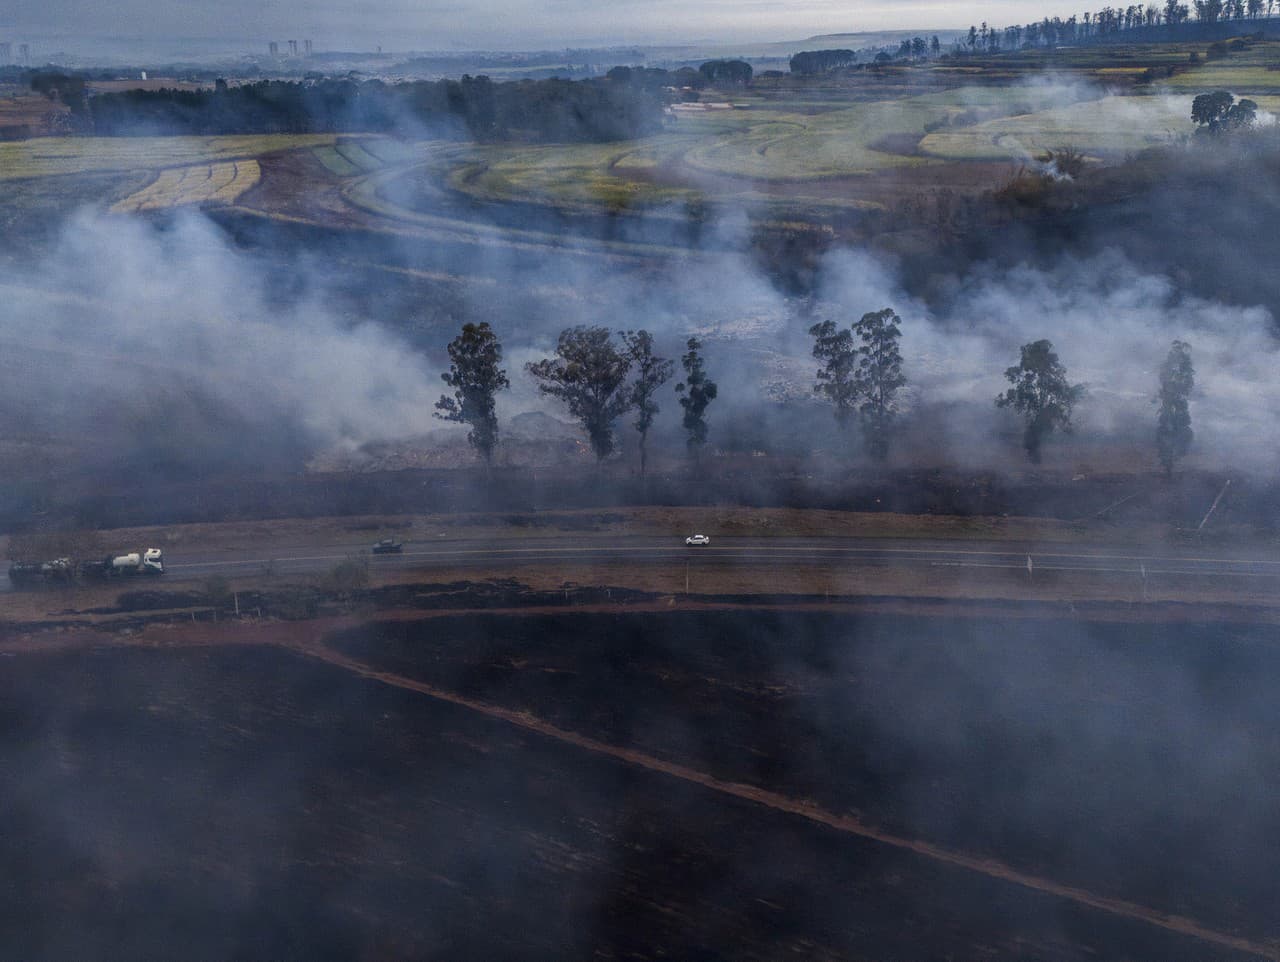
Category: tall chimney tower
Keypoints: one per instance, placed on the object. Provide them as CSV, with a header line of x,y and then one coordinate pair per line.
x,y
24,54
306,45
293,48
6,52
273,48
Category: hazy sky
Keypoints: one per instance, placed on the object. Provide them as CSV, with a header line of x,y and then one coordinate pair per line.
x,y
515,24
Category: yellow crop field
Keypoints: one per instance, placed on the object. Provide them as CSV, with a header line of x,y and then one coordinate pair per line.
x,y
198,184
53,156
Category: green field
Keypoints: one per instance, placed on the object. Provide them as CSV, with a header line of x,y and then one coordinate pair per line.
x,y
1105,128
785,150
757,141
1242,80
52,156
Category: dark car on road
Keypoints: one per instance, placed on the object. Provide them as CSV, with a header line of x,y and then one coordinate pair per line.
x,y
388,546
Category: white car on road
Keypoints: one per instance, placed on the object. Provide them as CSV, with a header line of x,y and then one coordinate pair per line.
x,y
697,539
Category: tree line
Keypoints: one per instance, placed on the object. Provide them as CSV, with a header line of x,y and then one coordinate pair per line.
x,y
600,376
558,111
1111,22
590,373
628,102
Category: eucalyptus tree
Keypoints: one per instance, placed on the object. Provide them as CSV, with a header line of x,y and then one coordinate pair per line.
x,y
476,377
878,377
1042,394
651,373
589,374
697,391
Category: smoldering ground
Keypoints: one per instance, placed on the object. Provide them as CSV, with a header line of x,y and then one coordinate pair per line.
x,y
252,802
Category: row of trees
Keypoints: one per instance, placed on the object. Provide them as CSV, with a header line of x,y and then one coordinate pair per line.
x,y
600,377
625,104
861,374
590,373
809,62
1111,21
476,107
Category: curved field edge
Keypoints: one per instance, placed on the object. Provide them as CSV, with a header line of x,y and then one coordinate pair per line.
x,y
366,193
222,183
1114,126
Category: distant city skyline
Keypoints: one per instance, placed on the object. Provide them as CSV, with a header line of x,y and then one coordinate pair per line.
x,y
400,25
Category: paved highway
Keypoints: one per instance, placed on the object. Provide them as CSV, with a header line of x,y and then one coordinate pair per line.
x,y
739,552
195,564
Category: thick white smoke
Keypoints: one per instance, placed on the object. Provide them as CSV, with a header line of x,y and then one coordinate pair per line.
x,y
142,310
1111,325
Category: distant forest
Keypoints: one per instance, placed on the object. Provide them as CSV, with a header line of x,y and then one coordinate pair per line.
x,y
1135,23
561,111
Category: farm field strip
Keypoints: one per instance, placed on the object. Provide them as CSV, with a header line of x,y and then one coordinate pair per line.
x,y
359,158
366,193
216,183
1241,81
334,162
849,824
762,141
52,156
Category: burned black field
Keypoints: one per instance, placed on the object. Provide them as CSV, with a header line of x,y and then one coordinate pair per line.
x,y
255,802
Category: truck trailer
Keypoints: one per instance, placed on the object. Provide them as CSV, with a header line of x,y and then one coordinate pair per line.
x,y
148,562
37,572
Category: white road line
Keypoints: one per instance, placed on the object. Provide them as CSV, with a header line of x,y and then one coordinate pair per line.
x,y
1133,571
815,550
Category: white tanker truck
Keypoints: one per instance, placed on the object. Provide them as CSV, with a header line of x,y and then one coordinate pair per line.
x,y
148,562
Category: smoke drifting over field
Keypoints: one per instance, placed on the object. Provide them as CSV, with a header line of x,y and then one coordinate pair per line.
x,y
1111,325
172,332
170,343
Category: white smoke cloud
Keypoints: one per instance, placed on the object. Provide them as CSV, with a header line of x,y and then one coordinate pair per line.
x,y
1111,326
140,309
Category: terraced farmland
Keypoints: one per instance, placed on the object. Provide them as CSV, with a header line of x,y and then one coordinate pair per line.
x,y
348,158
198,184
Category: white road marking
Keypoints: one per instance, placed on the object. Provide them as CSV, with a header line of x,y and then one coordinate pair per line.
x,y
775,552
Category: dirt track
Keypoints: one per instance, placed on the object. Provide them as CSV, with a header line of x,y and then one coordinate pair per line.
x,y
781,803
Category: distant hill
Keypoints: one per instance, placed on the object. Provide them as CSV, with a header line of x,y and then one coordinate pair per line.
x,y
876,39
